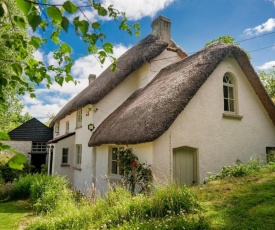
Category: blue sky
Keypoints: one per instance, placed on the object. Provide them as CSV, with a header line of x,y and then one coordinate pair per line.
x,y
194,23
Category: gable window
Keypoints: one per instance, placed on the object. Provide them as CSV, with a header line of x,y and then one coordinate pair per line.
x,y
65,156
229,94
56,127
114,167
67,126
78,158
79,118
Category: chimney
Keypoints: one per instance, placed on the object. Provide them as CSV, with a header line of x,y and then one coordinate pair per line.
x,y
91,78
162,26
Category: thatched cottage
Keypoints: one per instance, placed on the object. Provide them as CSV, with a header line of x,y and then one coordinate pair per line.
x,y
184,115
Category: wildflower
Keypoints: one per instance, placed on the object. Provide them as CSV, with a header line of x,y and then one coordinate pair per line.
x,y
134,164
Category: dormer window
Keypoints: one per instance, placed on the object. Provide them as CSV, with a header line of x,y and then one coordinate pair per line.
x,y
79,118
229,94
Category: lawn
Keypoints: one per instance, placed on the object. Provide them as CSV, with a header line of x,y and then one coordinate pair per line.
x,y
15,214
240,203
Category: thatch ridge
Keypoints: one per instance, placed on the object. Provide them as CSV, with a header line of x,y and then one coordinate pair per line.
x,y
144,51
150,111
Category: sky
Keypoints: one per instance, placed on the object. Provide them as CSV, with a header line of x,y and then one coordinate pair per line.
x,y
194,23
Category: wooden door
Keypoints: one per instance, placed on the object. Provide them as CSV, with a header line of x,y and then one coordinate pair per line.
x,y
185,166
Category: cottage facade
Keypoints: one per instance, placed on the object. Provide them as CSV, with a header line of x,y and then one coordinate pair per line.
x,y
184,116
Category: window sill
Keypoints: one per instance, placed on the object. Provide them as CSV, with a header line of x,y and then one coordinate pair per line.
x,y
234,116
77,168
64,165
78,127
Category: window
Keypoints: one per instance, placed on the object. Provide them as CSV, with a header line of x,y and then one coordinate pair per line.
x,y
39,147
114,167
56,127
65,156
78,156
67,127
79,118
229,94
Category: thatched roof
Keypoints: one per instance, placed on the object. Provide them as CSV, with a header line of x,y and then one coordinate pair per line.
x,y
57,139
150,111
144,51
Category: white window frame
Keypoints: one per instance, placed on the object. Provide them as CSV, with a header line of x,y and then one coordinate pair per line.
x,y
78,156
56,127
113,161
229,100
39,147
67,126
79,118
65,150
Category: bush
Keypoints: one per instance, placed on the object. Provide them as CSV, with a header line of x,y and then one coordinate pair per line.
x,y
237,170
22,187
47,192
6,191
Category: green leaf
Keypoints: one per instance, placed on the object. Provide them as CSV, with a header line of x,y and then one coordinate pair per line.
x,y
43,25
54,13
32,95
17,162
19,21
17,68
69,78
34,20
92,49
35,42
96,25
65,48
3,9
70,7
59,79
83,27
24,6
102,11
65,24
108,47
4,136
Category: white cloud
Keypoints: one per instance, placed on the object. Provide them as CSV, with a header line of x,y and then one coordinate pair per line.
x,y
137,9
267,26
266,66
273,1
38,55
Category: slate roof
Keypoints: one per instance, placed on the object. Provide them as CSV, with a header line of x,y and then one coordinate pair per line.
x,y
150,111
32,130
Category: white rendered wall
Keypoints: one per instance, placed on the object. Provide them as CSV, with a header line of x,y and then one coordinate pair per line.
x,y
103,177
220,141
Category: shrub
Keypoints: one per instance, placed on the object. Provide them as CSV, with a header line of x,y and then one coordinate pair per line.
x,y
6,191
22,187
237,170
47,192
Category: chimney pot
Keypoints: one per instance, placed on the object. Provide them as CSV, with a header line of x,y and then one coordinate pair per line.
x,y
162,26
92,77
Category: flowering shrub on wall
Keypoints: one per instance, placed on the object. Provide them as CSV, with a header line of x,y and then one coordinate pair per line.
x,y
132,171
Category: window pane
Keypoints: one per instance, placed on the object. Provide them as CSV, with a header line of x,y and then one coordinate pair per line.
x,y
114,167
231,105
231,92
226,105
225,91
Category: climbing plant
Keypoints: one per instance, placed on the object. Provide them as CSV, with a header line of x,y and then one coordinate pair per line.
x,y
132,171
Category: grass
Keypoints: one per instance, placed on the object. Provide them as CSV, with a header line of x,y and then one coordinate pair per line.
x,y
240,203
15,214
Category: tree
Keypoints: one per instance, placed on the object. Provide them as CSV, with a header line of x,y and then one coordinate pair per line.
x,y
20,71
268,80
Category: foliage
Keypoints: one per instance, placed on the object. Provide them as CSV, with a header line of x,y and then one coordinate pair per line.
x,y
54,18
226,39
268,80
132,171
237,170
10,112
